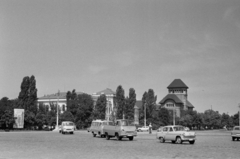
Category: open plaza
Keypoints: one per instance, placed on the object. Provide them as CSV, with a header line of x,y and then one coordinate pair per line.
x,y
50,145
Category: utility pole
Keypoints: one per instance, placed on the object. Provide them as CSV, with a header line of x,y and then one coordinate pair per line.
x,y
239,113
56,127
145,120
108,110
173,115
57,108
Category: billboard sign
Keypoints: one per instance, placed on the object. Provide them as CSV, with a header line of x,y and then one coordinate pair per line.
x,y
19,118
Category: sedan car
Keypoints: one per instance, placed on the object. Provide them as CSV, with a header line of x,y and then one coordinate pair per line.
x,y
175,134
235,133
144,128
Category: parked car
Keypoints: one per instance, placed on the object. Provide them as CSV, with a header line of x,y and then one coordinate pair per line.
x,y
121,129
97,127
67,127
176,134
143,128
235,133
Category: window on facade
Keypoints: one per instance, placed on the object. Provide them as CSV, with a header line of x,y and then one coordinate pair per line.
x,y
170,105
63,108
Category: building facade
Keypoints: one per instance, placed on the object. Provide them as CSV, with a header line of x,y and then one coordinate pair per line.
x,y
61,100
177,97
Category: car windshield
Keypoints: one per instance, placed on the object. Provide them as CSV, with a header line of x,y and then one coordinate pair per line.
x,y
69,124
179,128
127,123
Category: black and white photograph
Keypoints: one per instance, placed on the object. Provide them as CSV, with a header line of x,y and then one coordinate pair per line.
x,y
119,79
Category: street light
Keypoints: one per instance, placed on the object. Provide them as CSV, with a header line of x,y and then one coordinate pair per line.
x,y
145,120
239,113
173,115
108,111
57,111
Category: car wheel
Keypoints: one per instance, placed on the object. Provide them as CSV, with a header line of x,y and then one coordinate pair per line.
x,y
179,140
233,138
118,137
107,137
94,135
63,132
192,142
162,140
131,138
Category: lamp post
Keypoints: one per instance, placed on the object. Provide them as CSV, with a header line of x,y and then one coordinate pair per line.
x,y
239,113
145,120
108,110
57,111
174,116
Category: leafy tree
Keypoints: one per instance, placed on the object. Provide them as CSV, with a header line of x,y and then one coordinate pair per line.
x,y
7,118
83,115
120,101
235,119
67,116
32,97
6,112
29,119
212,119
72,103
141,110
41,116
100,107
24,93
27,100
130,103
150,103
163,117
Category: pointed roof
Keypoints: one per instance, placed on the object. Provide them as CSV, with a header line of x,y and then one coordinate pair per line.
x,y
171,97
177,83
106,91
189,104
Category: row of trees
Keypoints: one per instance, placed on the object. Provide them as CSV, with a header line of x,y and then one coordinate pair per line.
x,y
82,110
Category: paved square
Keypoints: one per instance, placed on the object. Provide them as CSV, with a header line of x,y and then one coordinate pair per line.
x,y
51,145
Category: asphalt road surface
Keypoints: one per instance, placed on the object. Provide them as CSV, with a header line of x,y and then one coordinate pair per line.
x,y
53,145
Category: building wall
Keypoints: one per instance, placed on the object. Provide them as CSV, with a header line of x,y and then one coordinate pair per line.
x,y
61,103
172,106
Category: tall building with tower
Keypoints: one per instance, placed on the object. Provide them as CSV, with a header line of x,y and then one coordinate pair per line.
x,y
177,97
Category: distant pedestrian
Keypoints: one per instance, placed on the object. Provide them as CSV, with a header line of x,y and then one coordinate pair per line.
x,y
150,128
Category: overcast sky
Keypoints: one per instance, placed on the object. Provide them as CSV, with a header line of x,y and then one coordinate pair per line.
x,y
91,45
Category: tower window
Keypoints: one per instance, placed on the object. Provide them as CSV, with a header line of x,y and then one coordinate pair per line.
x,y
170,105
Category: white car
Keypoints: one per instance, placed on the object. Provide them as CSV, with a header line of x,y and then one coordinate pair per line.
x,y
235,133
67,127
176,134
144,128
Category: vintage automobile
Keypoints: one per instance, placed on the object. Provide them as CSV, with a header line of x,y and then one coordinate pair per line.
x,y
235,133
143,128
176,134
67,127
120,129
97,127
